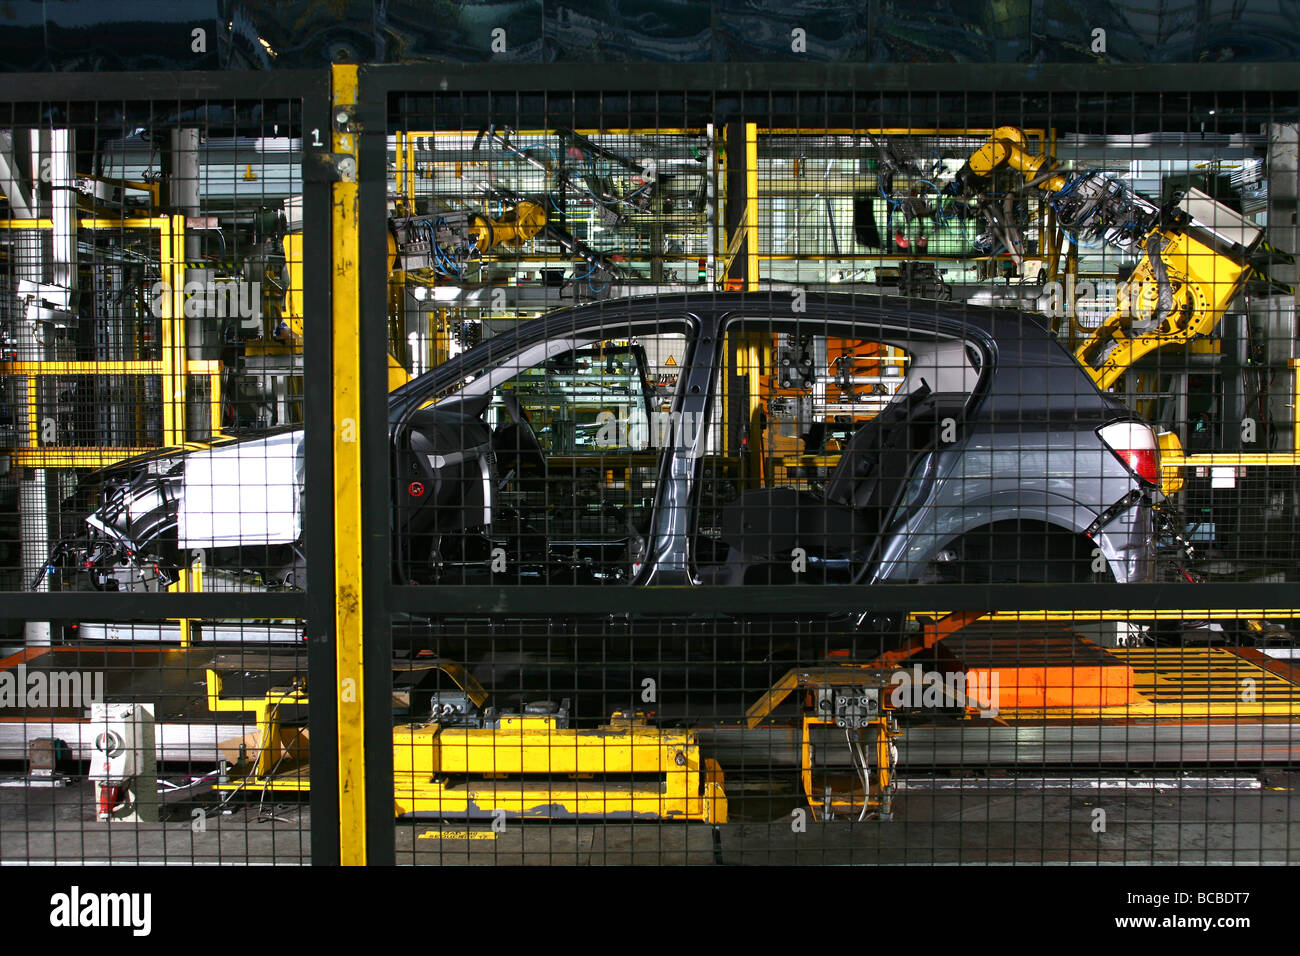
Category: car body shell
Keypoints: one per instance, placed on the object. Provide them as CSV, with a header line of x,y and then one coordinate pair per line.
x,y
1028,449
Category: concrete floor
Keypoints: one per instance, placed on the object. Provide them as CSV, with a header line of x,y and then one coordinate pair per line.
x,y
58,825
930,827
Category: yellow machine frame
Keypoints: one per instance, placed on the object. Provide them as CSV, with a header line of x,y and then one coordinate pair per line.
x,y
825,803
266,711
174,367
464,772
467,772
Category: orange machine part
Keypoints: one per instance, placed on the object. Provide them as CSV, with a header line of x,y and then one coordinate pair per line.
x,y
1033,687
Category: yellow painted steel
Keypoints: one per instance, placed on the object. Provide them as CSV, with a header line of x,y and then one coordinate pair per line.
x,y
746,232
1134,614
189,580
33,428
404,171
1240,459
26,223
293,307
86,368
469,136
973,132
1181,683
96,456
1008,146
346,350
454,771
174,368
172,333
397,373
751,206
1203,282
829,802
837,675
409,184
266,716
69,457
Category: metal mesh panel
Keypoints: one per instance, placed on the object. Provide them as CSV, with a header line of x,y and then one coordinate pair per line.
x,y
789,415
152,454
122,747
822,474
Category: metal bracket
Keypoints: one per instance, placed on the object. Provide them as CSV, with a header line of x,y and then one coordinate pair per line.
x,y
325,167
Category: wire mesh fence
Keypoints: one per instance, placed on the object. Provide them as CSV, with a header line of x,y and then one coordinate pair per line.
x,y
945,341
119,750
686,474
153,451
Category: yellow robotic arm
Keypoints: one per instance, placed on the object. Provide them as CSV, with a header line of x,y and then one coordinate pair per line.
x,y
1179,291
1007,148
513,228
1193,256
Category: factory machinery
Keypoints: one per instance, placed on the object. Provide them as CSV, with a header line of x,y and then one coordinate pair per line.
x,y
133,287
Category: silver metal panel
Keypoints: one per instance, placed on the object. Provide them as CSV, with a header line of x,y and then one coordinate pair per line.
x,y
172,742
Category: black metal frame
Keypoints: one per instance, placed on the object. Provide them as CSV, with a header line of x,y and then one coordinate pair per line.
x,y
736,89
316,606
738,92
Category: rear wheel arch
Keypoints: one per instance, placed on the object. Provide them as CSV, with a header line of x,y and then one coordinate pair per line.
x,y
1019,550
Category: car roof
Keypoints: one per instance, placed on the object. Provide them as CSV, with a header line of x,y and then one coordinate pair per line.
x,y
1018,340
921,314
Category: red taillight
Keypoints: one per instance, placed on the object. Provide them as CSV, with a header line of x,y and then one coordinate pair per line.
x,y
1144,462
1135,445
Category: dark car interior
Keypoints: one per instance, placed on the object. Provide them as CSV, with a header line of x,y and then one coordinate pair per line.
x,y
548,478
837,525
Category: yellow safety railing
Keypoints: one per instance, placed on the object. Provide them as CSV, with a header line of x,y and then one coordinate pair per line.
x,y
173,368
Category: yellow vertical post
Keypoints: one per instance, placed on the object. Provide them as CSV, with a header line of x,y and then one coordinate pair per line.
x,y
408,184
183,585
214,395
189,579
171,231
33,423
399,167
172,265
168,321
171,238
404,170
751,206
1295,405
346,352
758,350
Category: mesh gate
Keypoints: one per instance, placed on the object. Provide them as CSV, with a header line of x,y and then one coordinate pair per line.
x,y
747,468
791,476
153,678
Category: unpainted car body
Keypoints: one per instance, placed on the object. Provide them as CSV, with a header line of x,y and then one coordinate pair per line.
x,y
995,459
